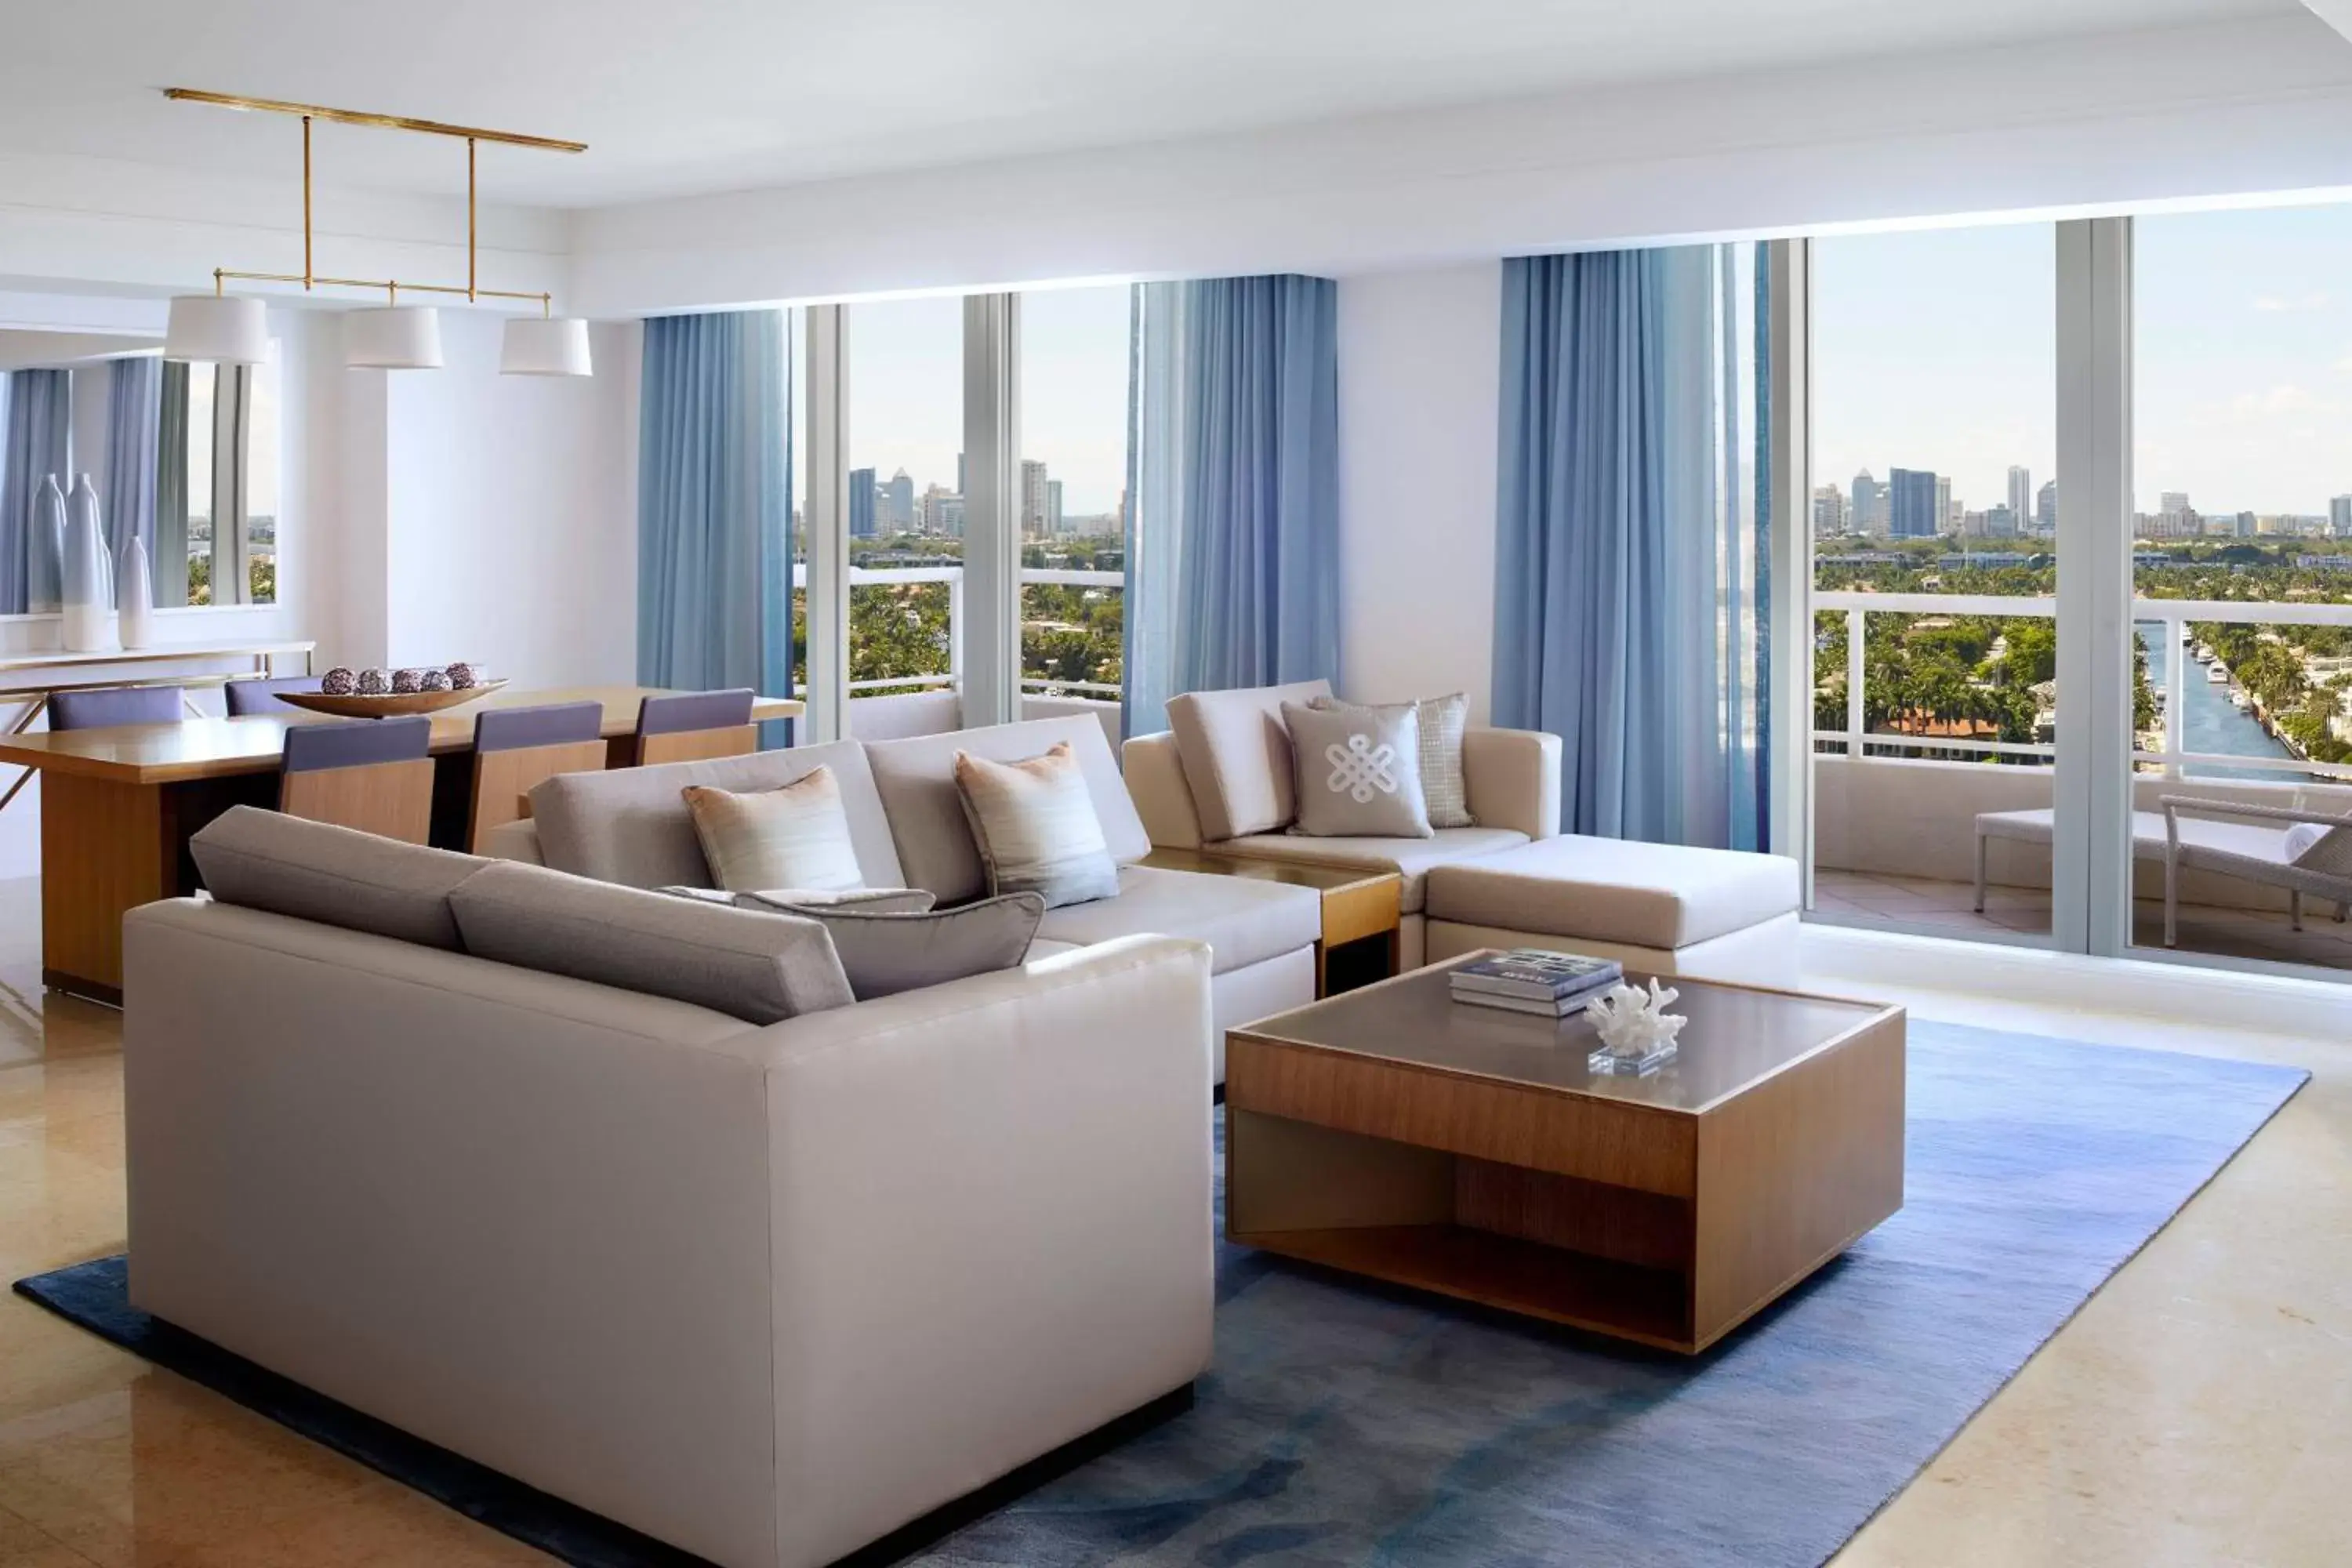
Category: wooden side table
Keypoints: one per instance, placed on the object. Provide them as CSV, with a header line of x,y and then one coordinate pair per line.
x,y
1361,909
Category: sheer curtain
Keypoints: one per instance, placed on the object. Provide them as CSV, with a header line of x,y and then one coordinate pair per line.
x,y
1233,521
134,411
39,442
714,470
1630,543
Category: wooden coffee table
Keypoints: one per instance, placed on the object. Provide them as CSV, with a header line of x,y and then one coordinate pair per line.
x,y
1395,1132
1361,909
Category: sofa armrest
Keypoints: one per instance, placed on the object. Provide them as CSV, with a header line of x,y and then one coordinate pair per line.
x,y
1513,777
991,1228
1155,780
516,840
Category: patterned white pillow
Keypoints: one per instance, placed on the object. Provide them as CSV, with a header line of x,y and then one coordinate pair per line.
x,y
1443,721
1359,772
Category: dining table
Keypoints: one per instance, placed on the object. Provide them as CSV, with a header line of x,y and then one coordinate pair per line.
x,y
119,804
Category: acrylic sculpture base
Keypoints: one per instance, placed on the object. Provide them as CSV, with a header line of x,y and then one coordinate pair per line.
x,y
1608,1061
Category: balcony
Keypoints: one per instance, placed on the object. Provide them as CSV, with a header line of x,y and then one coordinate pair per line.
x,y
1896,813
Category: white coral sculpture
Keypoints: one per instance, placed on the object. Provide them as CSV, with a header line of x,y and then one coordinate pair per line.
x,y
1632,1023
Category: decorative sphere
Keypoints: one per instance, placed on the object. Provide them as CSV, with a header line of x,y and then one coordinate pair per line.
x,y
339,681
433,681
463,676
374,683
406,679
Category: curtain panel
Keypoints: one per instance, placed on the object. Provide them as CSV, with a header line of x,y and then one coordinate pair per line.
x,y
38,443
1233,525
134,414
714,472
1632,540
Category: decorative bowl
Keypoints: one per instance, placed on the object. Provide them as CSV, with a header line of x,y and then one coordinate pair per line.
x,y
386,705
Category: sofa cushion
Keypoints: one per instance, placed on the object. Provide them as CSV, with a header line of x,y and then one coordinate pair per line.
x,y
795,836
1410,858
1358,771
1236,755
631,826
336,876
884,954
915,779
1244,921
1036,827
760,968
1615,889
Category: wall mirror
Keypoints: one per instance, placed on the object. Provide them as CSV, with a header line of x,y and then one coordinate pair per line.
x,y
184,457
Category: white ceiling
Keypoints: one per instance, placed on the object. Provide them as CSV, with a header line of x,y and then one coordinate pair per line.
x,y
704,95
27,350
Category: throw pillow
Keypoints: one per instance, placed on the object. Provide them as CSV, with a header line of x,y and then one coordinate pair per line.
x,y
862,900
760,968
795,837
1034,822
1359,772
884,954
1443,721
336,876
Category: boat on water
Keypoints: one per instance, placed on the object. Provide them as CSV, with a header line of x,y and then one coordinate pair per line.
x,y
2217,674
2204,653
2237,697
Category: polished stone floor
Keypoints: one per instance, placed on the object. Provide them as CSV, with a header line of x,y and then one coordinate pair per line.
x,y
2197,1411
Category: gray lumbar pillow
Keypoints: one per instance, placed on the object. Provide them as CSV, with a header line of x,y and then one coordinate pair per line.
x,y
859,900
1443,721
760,968
1359,772
336,876
887,954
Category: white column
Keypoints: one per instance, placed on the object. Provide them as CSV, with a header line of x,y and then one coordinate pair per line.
x,y
827,519
1792,547
991,633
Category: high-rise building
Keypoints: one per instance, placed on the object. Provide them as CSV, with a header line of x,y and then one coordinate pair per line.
x,y
2021,492
1053,507
1032,497
2046,509
1829,511
1866,514
2339,517
962,486
896,507
1947,515
1911,504
861,503
2000,522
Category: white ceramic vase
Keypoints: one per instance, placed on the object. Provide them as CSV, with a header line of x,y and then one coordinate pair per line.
x,y
46,554
88,607
134,596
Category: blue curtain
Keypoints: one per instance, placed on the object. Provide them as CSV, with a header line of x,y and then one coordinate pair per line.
x,y
714,472
134,414
1630,537
1233,521
39,442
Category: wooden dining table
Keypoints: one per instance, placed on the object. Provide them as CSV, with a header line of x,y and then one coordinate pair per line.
x,y
118,806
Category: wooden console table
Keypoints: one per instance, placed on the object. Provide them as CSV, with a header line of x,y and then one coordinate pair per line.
x,y
1361,909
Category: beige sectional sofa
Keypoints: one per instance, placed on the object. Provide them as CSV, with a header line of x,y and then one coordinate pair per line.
x,y
1512,881
630,826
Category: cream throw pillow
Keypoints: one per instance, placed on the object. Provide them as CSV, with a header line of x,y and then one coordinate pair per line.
x,y
1036,827
796,837
1359,772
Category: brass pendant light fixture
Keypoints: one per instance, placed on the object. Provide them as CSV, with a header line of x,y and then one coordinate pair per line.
x,y
227,329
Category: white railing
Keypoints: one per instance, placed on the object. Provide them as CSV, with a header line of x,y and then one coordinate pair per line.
x,y
2172,615
952,574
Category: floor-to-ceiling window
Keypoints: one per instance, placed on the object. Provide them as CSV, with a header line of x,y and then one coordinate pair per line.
x,y
1935,575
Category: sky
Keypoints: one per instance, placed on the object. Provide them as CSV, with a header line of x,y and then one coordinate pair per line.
x,y
906,390
1939,350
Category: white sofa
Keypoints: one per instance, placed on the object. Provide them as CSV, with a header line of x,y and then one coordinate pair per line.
x,y
1512,881
766,1293
630,826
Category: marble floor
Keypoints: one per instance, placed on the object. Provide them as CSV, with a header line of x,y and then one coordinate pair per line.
x,y
2197,1411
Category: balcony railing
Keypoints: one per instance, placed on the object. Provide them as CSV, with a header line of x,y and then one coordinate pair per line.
x,y
2173,757
952,574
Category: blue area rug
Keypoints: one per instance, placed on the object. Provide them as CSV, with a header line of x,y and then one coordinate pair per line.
x,y
1344,1423
1347,1422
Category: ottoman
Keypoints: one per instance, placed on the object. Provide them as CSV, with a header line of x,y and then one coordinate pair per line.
x,y
1665,908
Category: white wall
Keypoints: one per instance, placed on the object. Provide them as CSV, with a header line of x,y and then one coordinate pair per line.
x,y
1420,359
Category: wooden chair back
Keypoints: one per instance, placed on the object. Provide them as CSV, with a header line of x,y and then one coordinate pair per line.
x,y
374,774
106,706
691,726
515,749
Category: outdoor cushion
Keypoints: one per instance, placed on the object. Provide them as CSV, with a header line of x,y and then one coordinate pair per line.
x,y
1410,857
1616,889
1236,755
1244,921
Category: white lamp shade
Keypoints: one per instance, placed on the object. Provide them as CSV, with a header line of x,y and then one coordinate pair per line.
x,y
405,337
535,346
217,329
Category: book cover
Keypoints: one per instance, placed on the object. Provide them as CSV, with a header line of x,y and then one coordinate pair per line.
x,y
1538,972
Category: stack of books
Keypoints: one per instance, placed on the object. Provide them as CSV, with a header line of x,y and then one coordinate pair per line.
x,y
1535,980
